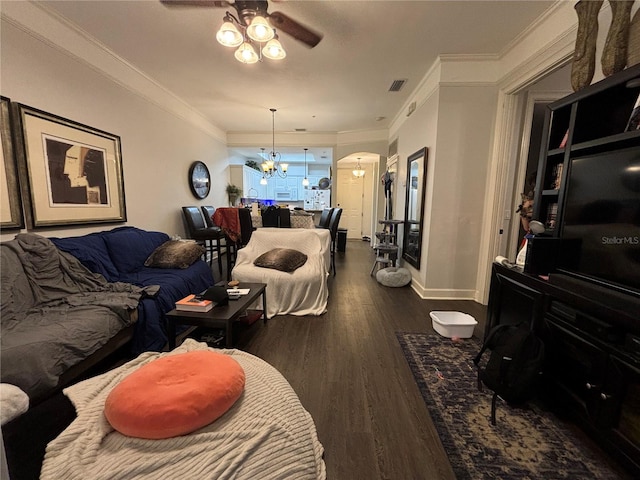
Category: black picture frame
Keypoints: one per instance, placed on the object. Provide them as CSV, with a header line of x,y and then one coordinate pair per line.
x,y
414,207
11,214
70,173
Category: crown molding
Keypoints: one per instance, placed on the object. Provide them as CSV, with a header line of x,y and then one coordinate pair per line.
x,y
364,136
312,139
45,25
290,139
546,44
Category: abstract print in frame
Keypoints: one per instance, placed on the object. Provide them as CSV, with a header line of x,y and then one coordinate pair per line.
x,y
73,172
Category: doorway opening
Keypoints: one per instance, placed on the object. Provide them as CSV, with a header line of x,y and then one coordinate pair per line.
x,y
356,194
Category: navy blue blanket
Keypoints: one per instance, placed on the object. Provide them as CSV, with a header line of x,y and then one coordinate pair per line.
x,y
119,256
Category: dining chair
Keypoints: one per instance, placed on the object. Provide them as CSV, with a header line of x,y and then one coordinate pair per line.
x,y
201,233
334,221
284,218
207,212
270,216
325,217
246,229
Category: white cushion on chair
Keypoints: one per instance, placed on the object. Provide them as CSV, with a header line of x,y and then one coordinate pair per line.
x,y
393,277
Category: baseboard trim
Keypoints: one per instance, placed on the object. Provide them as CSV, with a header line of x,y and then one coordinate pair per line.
x,y
443,293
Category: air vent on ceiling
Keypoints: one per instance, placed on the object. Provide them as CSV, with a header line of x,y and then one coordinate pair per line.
x,y
301,129
397,85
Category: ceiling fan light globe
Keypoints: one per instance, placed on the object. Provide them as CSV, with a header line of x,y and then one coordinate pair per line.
x,y
228,35
259,30
246,53
273,50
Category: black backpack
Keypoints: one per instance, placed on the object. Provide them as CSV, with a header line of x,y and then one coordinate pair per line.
x,y
514,367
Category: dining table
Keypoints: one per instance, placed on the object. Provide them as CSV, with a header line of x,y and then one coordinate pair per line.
x,y
299,219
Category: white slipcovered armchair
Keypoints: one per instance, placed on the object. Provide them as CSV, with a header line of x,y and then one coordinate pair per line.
x,y
301,292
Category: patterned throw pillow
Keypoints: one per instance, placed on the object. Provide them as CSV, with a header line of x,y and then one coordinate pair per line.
x,y
283,259
175,254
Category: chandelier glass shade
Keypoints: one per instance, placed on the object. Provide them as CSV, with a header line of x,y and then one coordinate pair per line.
x,y
259,30
229,35
246,53
271,165
358,171
273,49
254,41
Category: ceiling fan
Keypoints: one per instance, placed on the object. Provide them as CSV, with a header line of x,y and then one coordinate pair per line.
x,y
247,10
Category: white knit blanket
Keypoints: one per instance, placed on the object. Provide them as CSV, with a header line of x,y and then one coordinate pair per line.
x,y
267,434
302,292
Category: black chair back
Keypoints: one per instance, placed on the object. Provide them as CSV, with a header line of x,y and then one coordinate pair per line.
x,y
246,225
207,212
193,217
207,235
325,217
333,230
284,218
270,217
333,223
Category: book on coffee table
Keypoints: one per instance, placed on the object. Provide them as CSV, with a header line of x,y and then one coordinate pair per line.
x,y
194,303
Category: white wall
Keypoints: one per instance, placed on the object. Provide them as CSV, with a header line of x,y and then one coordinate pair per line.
x,y
455,124
418,131
465,132
157,146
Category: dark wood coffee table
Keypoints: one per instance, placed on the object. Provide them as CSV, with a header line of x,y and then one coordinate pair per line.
x,y
218,316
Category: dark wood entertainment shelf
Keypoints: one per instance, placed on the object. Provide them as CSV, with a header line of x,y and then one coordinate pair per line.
x,y
592,345
591,329
591,121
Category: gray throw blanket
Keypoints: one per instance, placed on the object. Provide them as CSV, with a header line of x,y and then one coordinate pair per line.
x,y
55,312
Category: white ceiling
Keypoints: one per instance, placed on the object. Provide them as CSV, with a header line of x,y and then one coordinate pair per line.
x,y
340,85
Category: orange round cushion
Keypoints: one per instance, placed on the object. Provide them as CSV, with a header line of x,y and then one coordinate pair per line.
x,y
175,395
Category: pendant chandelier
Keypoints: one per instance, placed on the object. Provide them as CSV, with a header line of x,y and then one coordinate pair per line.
x,y
358,171
305,180
271,165
233,33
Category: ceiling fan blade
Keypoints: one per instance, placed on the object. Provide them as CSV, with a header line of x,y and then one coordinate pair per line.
x,y
195,3
280,21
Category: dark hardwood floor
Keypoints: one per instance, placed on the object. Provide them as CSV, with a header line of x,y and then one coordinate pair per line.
x,y
349,372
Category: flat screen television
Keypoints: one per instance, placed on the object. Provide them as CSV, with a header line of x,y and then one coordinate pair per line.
x,y
600,228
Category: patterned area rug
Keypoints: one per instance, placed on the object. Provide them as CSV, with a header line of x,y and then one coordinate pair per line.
x,y
527,443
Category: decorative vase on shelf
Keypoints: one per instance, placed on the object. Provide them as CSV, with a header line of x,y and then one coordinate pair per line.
x,y
584,55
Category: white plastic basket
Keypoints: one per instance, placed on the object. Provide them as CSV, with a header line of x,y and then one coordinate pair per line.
x,y
453,324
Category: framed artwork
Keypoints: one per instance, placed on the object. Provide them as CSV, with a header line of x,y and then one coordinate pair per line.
x,y
10,204
71,174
